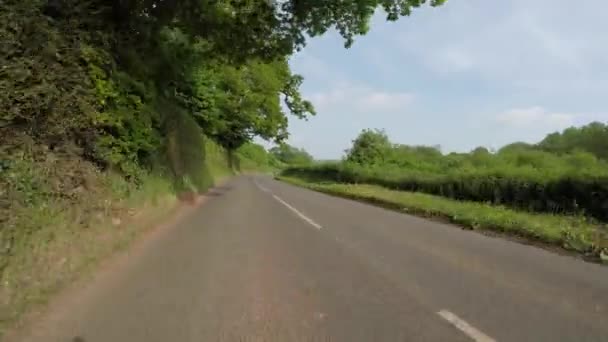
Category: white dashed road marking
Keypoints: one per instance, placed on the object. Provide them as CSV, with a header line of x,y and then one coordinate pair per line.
x,y
260,186
465,327
302,216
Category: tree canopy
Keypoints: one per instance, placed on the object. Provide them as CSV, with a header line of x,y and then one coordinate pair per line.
x,y
247,28
592,138
112,75
291,155
369,148
234,104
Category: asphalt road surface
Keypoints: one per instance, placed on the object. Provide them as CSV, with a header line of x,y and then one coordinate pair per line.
x,y
266,261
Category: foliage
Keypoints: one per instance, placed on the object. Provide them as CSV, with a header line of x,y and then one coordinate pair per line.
x,y
240,29
592,138
42,80
126,122
291,155
519,176
94,73
255,157
234,104
370,147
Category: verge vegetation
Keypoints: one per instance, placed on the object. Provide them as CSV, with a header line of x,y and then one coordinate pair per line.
x,y
555,191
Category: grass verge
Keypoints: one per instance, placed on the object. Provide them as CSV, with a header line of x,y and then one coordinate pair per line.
x,y
60,216
65,243
572,233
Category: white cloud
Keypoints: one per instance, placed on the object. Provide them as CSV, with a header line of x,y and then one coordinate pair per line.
x,y
357,98
452,59
311,66
513,41
467,62
534,116
384,101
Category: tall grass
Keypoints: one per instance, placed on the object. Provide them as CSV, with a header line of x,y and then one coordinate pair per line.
x,y
50,238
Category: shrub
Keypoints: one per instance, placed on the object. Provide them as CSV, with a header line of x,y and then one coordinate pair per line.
x,y
521,189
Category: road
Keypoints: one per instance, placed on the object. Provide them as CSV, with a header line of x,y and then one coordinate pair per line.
x,y
266,261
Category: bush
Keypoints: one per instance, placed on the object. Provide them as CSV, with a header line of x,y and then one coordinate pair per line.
x,y
567,193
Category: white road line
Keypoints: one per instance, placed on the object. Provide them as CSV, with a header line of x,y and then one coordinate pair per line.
x,y
260,186
465,327
302,216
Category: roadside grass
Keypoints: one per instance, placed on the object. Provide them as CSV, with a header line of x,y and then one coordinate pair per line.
x,y
572,233
55,231
56,242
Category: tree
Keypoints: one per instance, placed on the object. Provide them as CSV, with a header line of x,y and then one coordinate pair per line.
x,y
291,155
516,147
245,28
592,138
256,153
369,148
123,68
234,104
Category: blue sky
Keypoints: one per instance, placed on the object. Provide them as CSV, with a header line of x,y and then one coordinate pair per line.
x,y
470,73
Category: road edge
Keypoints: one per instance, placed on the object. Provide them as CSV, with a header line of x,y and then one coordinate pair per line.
x,y
104,269
446,219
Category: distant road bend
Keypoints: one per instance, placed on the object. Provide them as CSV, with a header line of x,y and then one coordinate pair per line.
x,y
267,261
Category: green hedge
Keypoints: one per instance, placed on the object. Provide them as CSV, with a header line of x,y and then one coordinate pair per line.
x,y
572,195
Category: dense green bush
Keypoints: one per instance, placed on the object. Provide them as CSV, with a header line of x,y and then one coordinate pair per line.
x,y
592,138
558,195
290,155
